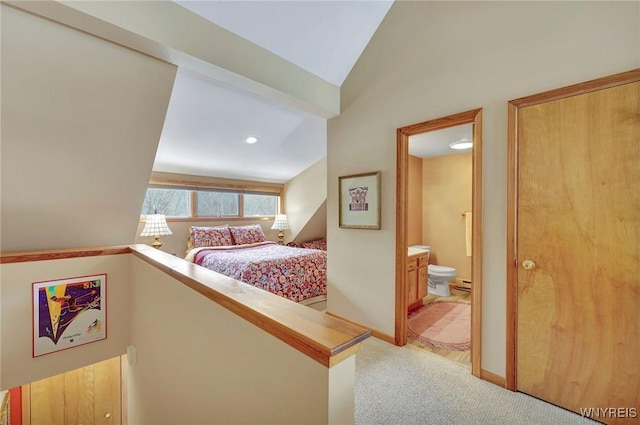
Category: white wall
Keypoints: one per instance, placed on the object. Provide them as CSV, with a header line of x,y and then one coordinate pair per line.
x,y
81,121
304,196
432,59
16,361
217,367
198,363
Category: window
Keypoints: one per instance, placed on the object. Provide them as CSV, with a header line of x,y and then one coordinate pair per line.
x,y
170,202
257,205
212,203
208,202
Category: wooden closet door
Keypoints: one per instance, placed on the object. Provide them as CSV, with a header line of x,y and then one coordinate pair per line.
x,y
47,401
578,222
87,396
78,396
108,392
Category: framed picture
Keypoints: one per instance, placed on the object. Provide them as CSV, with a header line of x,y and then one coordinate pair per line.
x,y
68,313
359,201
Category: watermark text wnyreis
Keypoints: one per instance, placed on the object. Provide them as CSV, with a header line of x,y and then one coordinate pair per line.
x,y
608,412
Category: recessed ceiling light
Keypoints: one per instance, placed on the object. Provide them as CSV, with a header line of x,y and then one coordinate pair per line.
x,y
461,144
251,140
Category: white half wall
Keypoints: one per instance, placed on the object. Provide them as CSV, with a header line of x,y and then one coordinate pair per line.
x,y
16,361
195,361
432,59
81,121
198,363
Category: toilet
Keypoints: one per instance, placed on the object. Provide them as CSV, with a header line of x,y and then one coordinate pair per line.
x,y
438,276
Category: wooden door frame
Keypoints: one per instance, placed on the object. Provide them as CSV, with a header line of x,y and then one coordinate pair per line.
x,y
512,196
474,117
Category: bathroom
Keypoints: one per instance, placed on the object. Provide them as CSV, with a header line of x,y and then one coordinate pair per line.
x,y
439,219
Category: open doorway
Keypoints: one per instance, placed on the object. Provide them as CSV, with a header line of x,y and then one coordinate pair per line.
x,y
404,272
439,236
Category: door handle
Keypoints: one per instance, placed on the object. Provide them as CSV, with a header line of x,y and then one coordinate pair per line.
x,y
528,265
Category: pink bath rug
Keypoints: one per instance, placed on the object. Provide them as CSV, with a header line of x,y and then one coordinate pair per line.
x,y
444,324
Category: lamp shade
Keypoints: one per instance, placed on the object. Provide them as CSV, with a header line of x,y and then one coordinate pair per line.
x,y
156,225
280,223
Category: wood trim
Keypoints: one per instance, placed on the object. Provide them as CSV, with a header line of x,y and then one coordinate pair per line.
x,y
277,188
512,270
474,117
476,249
317,335
240,204
580,88
402,218
622,78
492,377
214,219
60,254
124,390
193,205
441,123
377,334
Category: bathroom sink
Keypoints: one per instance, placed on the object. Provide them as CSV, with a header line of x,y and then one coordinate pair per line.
x,y
411,251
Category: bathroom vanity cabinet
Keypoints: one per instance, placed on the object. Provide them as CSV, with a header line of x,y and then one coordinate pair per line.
x,y
417,270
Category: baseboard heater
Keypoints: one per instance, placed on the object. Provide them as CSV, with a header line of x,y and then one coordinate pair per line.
x,y
463,284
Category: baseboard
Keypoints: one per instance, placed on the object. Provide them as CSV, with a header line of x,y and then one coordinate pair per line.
x,y
493,378
485,375
375,333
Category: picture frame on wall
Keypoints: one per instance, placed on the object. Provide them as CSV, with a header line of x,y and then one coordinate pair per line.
x,y
68,313
359,201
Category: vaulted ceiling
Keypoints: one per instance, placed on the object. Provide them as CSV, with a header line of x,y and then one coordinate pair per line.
x,y
208,123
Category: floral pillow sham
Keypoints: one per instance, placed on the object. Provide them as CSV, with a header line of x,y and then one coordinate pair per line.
x,y
315,244
210,236
247,234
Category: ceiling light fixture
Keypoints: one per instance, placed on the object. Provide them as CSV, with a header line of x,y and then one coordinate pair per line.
x,y
251,140
461,144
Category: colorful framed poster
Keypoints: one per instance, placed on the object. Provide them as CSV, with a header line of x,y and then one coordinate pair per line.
x,y
68,313
359,201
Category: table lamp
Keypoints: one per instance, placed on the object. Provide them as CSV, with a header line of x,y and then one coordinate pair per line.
x,y
280,223
156,226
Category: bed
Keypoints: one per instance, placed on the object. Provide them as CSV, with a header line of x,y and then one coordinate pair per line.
x,y
243,253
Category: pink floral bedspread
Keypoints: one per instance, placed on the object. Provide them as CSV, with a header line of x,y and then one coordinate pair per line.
x,y
293,273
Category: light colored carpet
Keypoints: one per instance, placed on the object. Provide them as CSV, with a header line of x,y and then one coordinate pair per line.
x,y
406,385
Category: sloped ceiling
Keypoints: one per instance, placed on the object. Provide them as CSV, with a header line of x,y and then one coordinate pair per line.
x,y
207,122
324,37
207,125
81,121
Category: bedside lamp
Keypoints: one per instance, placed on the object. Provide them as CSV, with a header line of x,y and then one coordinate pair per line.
x,y
280,223
156,226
